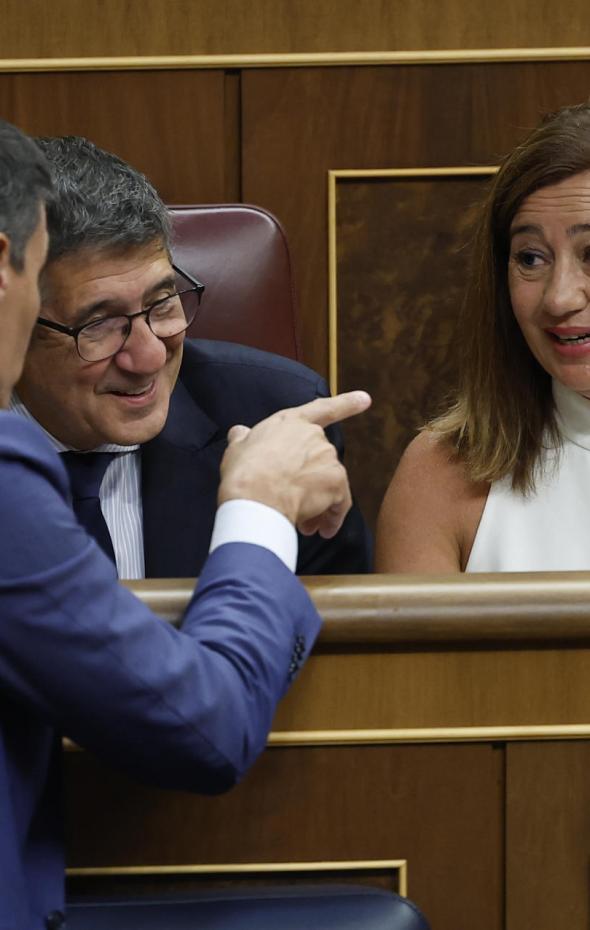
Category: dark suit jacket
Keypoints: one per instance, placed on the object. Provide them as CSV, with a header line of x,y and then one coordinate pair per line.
x,y
221,384
80,655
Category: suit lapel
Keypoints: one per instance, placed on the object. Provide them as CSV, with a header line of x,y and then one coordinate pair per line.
x,y
179,477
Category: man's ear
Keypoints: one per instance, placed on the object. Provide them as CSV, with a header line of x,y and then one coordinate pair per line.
x,y
4,262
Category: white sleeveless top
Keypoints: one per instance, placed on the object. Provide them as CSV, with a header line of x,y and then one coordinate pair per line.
x,y
550,529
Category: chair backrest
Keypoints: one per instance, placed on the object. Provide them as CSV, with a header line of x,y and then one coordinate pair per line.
x,y
288,908
240,253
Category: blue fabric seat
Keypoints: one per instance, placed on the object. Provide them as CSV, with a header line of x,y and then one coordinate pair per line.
x,y
338,907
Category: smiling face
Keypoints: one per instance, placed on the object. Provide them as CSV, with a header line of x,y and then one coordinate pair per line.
x,y
123,399
549,278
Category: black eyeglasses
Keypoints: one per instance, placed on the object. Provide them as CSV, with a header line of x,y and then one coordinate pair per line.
x,y
169,316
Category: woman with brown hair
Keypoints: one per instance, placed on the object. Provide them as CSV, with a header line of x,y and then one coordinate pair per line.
x,y
498,482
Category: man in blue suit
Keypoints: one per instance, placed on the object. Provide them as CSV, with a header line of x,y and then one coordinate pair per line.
x,y
79,655
95,381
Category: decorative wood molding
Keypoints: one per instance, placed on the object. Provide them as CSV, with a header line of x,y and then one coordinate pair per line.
x,y
430,735
295,60
398,866
424,735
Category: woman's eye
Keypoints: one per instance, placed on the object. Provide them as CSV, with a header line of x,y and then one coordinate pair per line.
x,y
528,259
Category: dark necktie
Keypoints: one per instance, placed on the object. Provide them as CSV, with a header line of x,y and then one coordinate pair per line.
x,y
86,471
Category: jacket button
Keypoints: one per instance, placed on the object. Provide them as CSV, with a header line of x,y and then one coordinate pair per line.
x,y
55,920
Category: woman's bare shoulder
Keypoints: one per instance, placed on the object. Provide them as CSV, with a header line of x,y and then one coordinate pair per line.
x,y
430,512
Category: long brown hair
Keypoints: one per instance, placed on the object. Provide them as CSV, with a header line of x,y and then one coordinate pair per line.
x,y
504,407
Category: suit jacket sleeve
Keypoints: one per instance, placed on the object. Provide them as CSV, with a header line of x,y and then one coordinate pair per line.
x,y
187,708
221,384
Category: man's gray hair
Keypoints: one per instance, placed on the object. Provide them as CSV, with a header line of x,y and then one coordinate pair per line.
x,y
100,201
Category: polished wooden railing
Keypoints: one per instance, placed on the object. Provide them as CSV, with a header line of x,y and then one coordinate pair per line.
x,y
434,658
390,609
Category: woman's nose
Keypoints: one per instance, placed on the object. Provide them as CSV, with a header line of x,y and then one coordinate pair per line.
x,y
567,290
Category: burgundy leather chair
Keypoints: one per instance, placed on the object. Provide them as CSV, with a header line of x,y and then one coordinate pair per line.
x,y
240,254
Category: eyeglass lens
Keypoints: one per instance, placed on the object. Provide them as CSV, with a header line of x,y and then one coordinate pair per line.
x,y
168,317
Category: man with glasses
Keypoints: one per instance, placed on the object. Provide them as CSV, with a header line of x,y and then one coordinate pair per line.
x,y
108,371
79,654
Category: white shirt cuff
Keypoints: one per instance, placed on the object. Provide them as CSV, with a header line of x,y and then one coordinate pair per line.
x,y
252,522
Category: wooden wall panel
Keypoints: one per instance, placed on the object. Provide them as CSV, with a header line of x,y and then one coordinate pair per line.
x,y
298,124
170,124
438,807
402,252
35,28
270,136
548,836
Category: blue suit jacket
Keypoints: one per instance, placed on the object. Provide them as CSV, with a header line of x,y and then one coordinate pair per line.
x,y
80,655
220,384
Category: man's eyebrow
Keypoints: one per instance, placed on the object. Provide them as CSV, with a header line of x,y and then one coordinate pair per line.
x,y
110,304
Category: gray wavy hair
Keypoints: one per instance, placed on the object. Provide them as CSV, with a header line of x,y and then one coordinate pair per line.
x,y
100,201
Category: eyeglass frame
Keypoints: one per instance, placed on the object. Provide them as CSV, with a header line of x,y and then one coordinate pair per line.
x,y
74,331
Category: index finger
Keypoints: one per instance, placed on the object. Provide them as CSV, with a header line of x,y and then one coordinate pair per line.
x,y
327,410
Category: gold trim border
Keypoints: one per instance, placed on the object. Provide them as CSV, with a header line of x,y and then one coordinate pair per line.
x,y
400,867
295,59
384,736
333,177
429,735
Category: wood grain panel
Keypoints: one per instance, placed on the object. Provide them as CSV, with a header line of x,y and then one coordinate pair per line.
x,y
438,689
402,254
298,124
156,27
548,836
437,807
171,125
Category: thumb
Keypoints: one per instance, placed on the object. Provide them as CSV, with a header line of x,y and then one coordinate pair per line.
x,y
237,433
